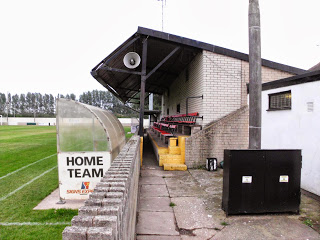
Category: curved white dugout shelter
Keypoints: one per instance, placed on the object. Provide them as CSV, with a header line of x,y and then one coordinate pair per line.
x,y
88,140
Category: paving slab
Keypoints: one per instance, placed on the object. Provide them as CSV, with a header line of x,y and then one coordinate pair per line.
x,y
152,167
155,237
161,173
154,191
198,215
156,223
152,180
51,202
200,234
265,227
191,213
155,204
183,186
212,204
211,182
310,210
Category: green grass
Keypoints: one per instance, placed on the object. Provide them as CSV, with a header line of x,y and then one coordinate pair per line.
x,y
31,232
308,222
224,223
128,135
20,146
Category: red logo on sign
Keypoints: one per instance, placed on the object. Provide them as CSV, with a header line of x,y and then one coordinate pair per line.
x,y
85,185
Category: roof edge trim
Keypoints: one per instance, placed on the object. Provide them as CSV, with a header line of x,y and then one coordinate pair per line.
x,y
295,80
215,49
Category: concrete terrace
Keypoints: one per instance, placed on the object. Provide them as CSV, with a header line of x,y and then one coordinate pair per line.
x,y
187,205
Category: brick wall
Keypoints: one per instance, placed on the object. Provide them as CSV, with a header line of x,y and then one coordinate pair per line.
x,y
110,211
182,88
267,75
221,85
225,91
222,82
229,132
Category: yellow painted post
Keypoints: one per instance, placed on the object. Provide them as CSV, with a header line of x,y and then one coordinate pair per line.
x,y
141,149
173,142
182,145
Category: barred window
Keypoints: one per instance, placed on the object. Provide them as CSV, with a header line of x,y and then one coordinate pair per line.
x,y
280,101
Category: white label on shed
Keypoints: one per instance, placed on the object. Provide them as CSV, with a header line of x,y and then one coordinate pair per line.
x,y
284,178
246,179
79,172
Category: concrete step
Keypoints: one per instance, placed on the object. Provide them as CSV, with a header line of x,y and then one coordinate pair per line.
x,y
163,150
174,150
170,158
174,167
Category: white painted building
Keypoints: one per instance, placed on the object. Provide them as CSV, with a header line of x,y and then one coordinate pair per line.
x,y
291,120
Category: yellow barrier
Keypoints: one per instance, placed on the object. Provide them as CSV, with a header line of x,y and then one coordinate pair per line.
x,y
172,158
141,150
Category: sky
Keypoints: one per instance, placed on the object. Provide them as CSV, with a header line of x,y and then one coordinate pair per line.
x,y
50,46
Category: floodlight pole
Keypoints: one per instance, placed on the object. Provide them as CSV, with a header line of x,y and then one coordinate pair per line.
x,y
254,76
143,84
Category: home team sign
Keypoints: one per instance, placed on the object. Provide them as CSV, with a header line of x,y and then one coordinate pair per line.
x,y
79,172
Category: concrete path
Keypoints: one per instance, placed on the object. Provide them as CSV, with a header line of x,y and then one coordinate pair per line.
x,y
52,200
187,205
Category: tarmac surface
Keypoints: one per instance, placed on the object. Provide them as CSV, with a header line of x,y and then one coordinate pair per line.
x,y
183,205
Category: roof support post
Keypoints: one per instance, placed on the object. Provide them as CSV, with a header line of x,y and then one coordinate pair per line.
x,y
254,76
143,83
163,61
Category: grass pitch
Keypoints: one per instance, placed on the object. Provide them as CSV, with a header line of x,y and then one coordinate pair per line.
x,y
29,173
25,153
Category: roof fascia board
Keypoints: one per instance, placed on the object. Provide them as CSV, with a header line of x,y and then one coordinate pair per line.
x,y
103,83
118,50
215,49
121,50
295,80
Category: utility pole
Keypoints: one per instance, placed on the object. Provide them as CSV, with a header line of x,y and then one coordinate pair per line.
x,y
254,75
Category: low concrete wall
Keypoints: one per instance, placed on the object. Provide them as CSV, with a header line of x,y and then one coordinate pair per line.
x,y
229,132
127,122
52,121
25,120
110,212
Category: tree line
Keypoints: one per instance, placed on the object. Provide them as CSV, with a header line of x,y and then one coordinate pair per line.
x,y
44,105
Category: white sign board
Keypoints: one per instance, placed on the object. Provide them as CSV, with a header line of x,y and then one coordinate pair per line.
x,y
79,172
246,179
284,178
